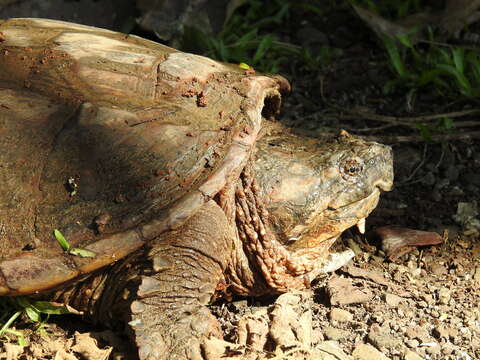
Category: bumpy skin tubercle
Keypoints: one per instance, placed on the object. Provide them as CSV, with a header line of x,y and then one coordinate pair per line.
x,y
177,193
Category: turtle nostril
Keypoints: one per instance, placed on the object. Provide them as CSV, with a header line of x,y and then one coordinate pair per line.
x,y
383,184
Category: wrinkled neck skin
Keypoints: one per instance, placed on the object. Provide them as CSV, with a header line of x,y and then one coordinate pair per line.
x,y
258,245
293,202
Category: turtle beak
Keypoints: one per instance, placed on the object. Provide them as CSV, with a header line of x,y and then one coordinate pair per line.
x,y
361,225
385,169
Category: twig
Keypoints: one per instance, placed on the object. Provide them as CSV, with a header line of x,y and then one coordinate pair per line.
x,y
372,129
405,120
399,139
425,147
465,124
433,138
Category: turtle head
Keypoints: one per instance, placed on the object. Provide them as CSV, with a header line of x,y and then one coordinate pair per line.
x,y
315,189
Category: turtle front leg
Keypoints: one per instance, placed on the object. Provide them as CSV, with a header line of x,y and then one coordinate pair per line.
x,y
168,288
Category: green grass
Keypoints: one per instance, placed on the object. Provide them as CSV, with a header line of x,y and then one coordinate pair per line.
x,y
20,307
245,39
450,71
249,37
38,312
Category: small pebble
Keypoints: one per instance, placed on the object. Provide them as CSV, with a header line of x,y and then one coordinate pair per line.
x,y
411,355
340,315
392,299
367,352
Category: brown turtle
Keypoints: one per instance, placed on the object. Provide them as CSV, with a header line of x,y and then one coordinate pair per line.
x,y
163,165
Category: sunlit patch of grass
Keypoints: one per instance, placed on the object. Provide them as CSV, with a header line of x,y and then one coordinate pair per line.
x,y
13,309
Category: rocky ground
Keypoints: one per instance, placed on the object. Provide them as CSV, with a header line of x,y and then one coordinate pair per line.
x,y
423,304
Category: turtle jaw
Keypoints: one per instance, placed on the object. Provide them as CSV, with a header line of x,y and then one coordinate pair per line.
x,y
311,204
330,224
349,206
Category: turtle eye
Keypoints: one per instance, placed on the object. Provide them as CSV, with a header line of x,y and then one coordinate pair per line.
x,y
350,168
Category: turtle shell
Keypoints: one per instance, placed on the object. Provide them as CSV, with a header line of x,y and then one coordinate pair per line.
x,y
113,140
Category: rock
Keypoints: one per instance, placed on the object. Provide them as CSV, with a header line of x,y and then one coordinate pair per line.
x,y
367,352
332,333
411,355
406,159
417,332
428,298
441,332
342,292
466,214
422,304
384,339
438,269
444,296
392,299
414,343
433,349
428,179
452,173
476,275
340,315
329,350
441,184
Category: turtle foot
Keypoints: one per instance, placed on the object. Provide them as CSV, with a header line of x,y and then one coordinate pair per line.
x,y
164,332
181,272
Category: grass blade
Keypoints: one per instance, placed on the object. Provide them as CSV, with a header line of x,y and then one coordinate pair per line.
x,y
61,240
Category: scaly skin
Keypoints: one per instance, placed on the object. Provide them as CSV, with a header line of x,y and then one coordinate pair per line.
x,y
241,247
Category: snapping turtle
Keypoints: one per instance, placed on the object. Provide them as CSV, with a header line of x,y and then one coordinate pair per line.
x,y
165,167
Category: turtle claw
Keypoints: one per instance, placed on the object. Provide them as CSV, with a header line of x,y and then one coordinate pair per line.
x,y
336,260
151,345
160,333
